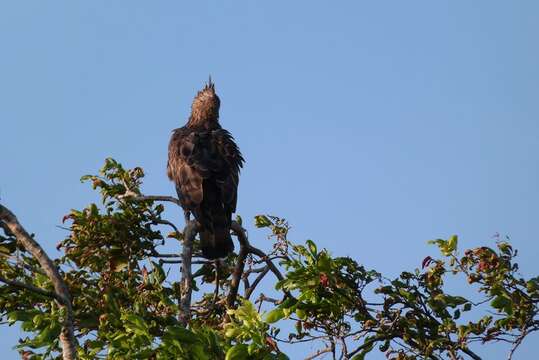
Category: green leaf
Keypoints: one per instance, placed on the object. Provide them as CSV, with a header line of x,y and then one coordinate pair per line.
x,y
532,285
452,244
86,178
46,336
237,352
262,221
21,316
239,220
312,247
500,302
232,332
181,334
275,315
301,314
364,352
505,247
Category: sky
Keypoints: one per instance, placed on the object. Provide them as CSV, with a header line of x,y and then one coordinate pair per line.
x,y
372,126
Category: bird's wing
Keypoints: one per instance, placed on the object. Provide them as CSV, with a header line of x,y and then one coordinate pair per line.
x,y
230,153
194,156
182,167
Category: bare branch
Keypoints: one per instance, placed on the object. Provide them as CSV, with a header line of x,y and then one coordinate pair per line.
x,y
179,261
249,291
245,249
470,353
318,353
517,344
264,298
67,336
263,256
136,197
240,263
217,280
159,255
190,232
165,222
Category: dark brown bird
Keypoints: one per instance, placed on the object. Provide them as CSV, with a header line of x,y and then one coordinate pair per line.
x,y
204,162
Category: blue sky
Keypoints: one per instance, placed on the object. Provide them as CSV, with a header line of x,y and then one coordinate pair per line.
x,y
371,126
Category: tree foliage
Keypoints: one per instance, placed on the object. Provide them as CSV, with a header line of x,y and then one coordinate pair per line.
x,y
126,293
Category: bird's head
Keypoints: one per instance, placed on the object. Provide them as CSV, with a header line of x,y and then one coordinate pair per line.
x,y
205,107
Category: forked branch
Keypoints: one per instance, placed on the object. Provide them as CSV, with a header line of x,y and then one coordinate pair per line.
x,y
61,293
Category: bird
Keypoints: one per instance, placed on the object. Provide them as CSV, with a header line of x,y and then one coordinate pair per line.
x,y
204,162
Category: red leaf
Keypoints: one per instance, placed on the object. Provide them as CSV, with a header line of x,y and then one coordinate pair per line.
x,y
65,218
324,280
144,273
272,344
426,262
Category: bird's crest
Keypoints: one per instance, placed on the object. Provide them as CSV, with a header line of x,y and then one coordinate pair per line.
x,y
206,104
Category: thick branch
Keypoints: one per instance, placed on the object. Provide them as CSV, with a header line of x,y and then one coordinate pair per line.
x,y
67,336
240,263
245,249
190,232
470,353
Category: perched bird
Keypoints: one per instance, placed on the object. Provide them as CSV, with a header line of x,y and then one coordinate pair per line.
x,y
204,163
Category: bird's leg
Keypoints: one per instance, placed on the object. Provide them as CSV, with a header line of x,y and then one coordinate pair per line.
x,y
187,216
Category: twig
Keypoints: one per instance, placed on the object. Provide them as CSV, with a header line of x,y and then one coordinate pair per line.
x,y
264,257
368,343
179,261
32,288
161,261
254,271
246,284
158,255
165,222
67,335
265,298
318,353
517,343
136,197
217,280
249,291
344,347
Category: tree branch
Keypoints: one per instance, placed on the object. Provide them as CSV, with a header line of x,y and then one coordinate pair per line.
x,y
186,287
240,263
263,256
470,353
136,197
318,353
32,288
67,335
250,289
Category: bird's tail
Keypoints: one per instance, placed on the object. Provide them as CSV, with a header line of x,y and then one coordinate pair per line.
x,y
215,239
